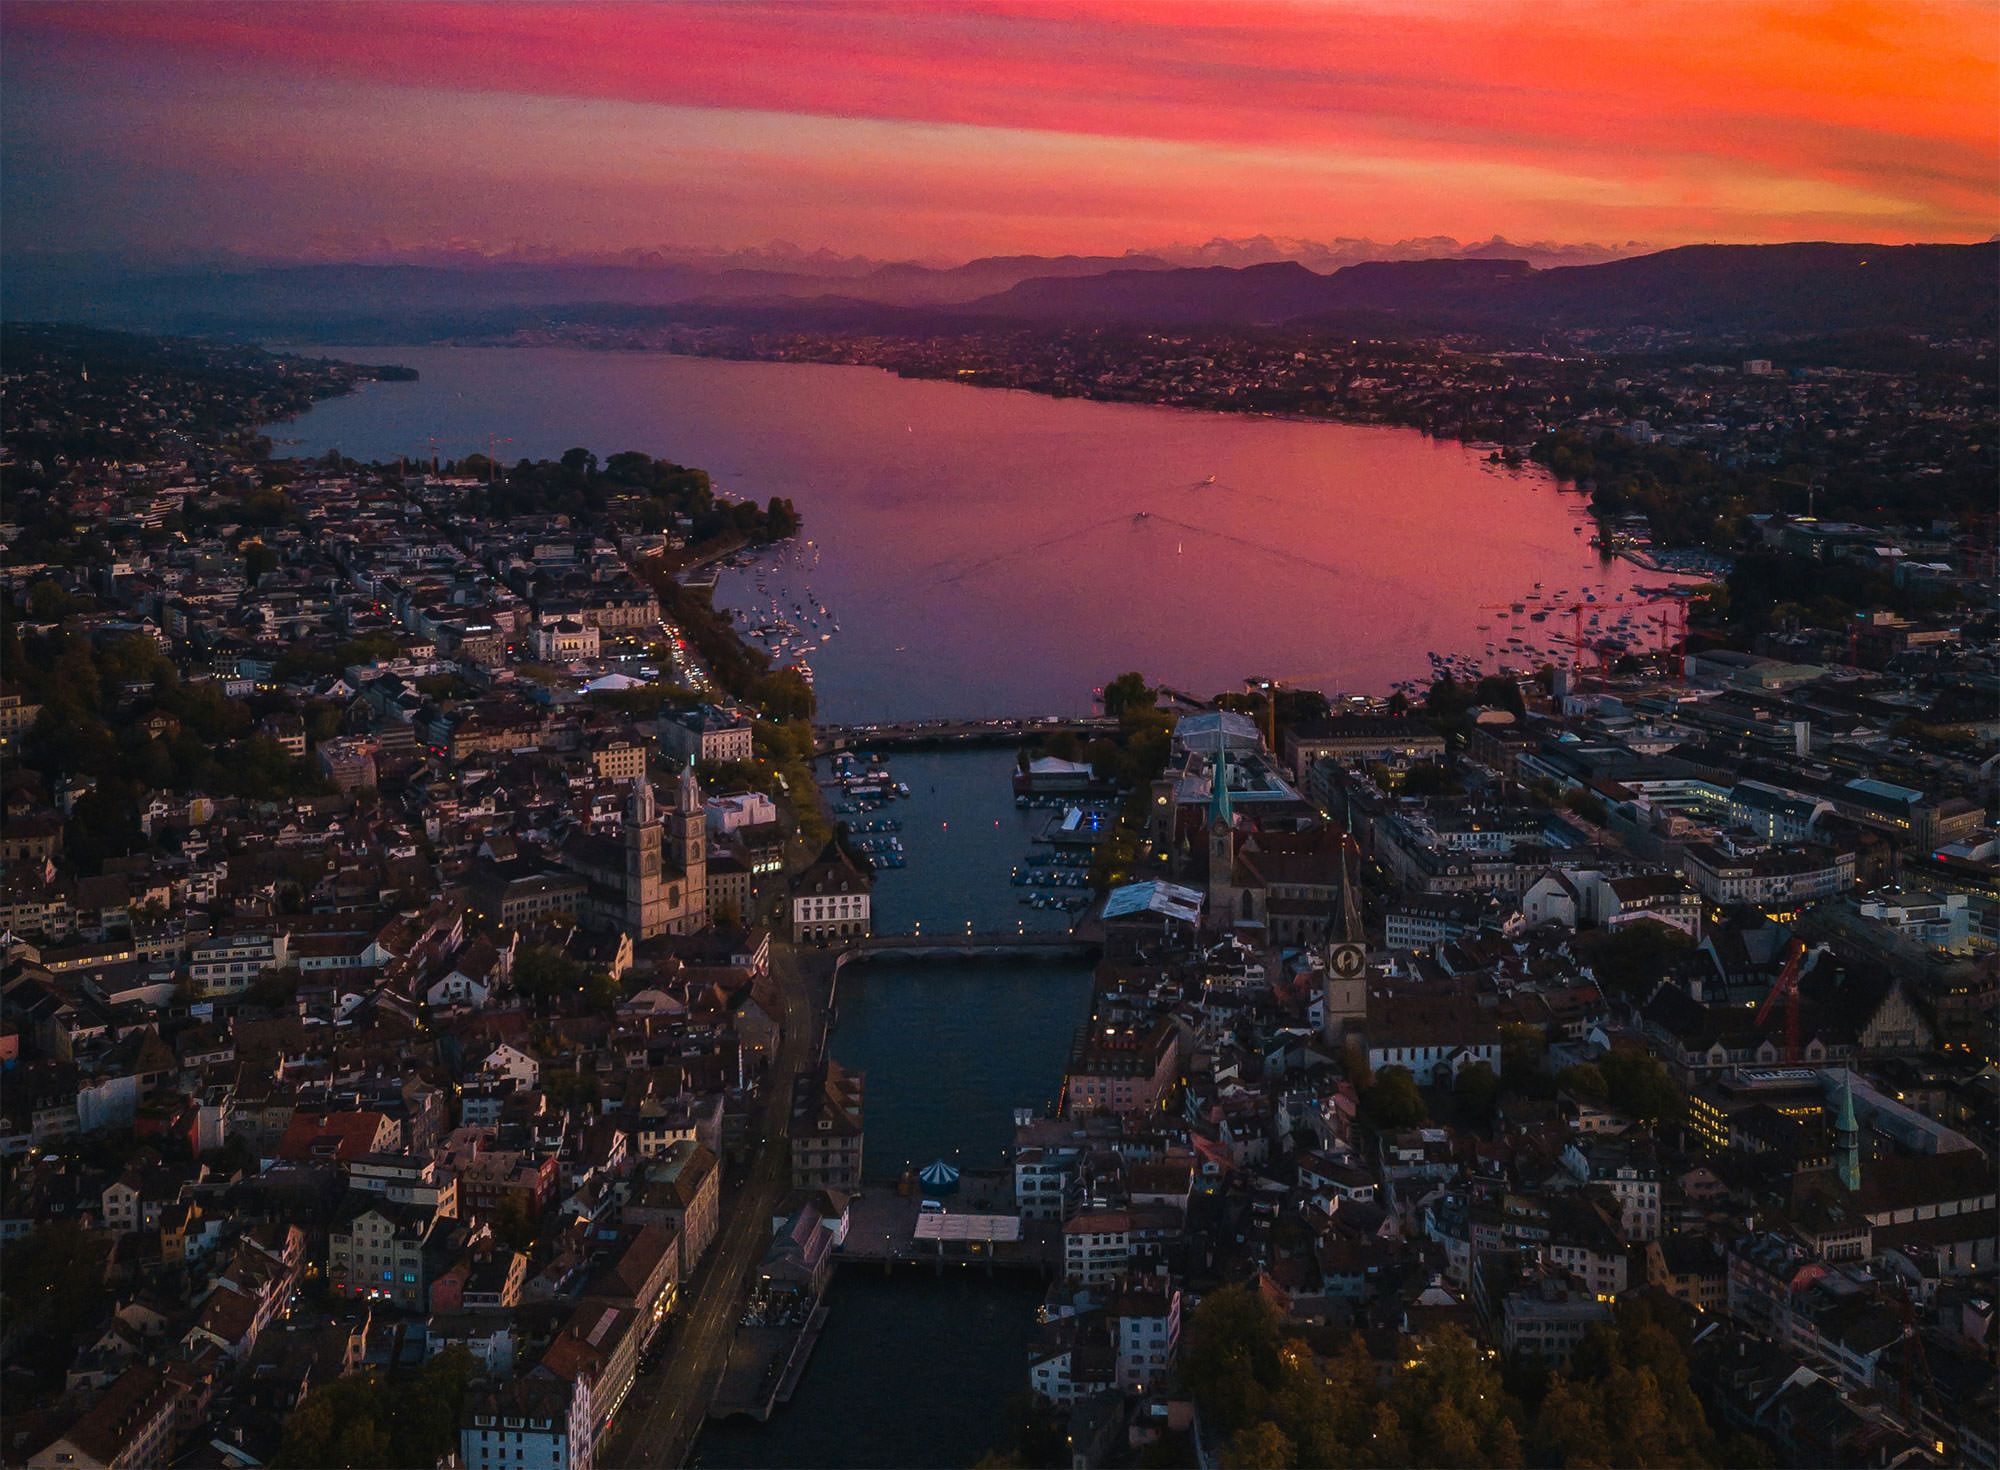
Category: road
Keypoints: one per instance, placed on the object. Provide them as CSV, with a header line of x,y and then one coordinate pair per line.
x,y
664,1412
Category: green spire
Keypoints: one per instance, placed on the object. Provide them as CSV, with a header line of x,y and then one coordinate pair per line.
x,y
1847,1136
1218,790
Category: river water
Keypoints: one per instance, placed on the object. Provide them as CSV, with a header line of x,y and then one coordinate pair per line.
x,y
917,1370
1001,553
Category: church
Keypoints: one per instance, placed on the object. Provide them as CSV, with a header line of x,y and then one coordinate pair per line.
x,y
652,878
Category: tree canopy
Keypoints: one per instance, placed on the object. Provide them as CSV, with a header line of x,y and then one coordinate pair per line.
x,y
370,1420
1270,1400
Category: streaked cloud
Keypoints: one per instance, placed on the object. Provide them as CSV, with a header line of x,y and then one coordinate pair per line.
x,y
950,130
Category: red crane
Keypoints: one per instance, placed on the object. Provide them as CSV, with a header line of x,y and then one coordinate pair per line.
x,y
1787,987
1672,616
1576,639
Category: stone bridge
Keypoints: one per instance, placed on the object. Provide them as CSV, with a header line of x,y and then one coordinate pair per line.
x,y
949,734
970,946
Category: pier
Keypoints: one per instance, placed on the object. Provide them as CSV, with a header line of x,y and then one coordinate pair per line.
x,y
887,1229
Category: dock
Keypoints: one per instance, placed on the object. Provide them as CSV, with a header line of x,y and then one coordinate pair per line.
x,y
886,1230
764,1367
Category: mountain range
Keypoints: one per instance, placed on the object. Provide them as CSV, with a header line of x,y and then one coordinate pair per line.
x,y
1808,287
1704,289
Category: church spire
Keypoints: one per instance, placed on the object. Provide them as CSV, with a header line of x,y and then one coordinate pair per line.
x,y
643,812
688,798
1847,1136
1218,788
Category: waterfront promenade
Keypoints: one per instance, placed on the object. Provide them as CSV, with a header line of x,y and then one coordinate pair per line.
x,y
666,1411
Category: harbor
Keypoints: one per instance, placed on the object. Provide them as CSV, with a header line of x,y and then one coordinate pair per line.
x,y
785,622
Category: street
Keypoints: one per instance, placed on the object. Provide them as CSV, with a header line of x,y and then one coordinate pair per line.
x,y
663,1415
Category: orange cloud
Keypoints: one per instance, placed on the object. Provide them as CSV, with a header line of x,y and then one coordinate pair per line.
x,y
1668,119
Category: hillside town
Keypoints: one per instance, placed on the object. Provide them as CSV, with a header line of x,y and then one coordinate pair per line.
x,y
421,919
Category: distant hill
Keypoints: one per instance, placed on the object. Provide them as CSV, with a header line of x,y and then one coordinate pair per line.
x,y
1730,290
1705,288
196,300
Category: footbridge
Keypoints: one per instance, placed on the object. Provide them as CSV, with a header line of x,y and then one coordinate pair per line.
x,y
953,734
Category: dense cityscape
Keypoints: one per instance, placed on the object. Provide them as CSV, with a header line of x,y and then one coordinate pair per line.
x,y
1081,737
423,918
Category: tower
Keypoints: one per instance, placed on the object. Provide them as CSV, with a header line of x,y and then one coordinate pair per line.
x,y
646,906
1221,840
690,825
1847,1138
1345,997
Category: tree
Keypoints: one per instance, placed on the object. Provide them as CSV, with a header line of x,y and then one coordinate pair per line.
x,y
259,559
1477,1090
1522,1048
53,1285
1393,1100
1127,691
369,1419
543,972
1260,1446
1231,1353
1585,1080
50,602
1640,1085
785,695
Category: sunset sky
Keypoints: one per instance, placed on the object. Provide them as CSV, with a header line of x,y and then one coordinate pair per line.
x,y
947,131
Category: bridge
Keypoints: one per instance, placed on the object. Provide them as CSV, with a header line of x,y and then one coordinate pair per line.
x,y
955,734
972,946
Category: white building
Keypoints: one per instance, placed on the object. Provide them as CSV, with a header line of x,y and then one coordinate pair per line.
x,y
514,1065
530,1422
227,964
565,642
705,734
1145,1332
1097,1247
739,809
830,899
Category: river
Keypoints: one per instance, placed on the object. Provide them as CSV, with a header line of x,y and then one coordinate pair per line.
x,y
916,1370
987,552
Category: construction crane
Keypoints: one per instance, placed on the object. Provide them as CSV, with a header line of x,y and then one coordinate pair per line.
x,y
1786,987
1575,638
1672,616
1811,487
493,443
1915,1371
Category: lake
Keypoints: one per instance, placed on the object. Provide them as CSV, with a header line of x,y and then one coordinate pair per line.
x,y
990,552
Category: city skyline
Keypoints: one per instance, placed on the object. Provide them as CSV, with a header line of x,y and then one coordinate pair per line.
x,y
905,131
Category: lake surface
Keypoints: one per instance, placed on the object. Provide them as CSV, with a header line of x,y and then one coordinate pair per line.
x,y
988,552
